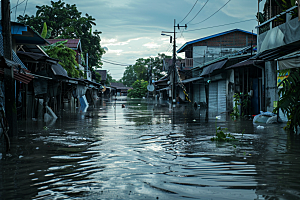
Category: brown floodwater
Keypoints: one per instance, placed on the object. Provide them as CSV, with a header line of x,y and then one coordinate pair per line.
x,y
149,150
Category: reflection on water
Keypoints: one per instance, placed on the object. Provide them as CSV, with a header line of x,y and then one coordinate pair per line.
x,y
149,150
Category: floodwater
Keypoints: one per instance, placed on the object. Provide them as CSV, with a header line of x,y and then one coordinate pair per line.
x,y
149,150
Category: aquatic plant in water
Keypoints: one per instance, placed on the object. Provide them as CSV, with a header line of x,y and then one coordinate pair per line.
x,y
221,135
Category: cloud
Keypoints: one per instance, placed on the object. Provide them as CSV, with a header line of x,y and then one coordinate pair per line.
x,y
151,45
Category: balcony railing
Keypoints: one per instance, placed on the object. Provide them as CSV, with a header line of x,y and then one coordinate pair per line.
x,y
272,23
188,62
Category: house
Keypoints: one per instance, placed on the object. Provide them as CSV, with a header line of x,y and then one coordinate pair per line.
x,y
221,44
278,36
103,74
23,37
74,44
119,89
212,85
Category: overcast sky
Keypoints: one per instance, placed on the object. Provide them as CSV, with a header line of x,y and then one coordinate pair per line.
x,y
131,29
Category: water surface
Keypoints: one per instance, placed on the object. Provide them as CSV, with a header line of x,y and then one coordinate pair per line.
x,y
149,150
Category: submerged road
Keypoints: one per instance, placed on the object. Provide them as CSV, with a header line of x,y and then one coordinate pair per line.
x,y
149,150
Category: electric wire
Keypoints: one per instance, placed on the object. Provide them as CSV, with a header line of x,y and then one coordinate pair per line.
x,y
213,13
25,8
220,25
16,11
198,11
17,5
189,12
113,63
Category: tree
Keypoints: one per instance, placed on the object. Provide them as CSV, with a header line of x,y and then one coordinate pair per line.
x,y
289,101
141,69
129,76
139,89
66,56
66,22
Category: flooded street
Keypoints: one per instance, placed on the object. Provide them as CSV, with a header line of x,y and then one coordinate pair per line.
x,y
149,150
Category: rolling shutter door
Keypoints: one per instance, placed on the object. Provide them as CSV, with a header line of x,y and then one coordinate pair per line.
x,y
213,98
221,96
202,94
196,94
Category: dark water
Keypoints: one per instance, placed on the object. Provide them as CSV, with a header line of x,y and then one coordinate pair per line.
x,y
149,150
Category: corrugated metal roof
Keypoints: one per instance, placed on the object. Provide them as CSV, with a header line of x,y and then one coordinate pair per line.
x,y
58,70
18,75
209,69
14,55
212,36
71,43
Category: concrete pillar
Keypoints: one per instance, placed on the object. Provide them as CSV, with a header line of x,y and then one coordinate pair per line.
x,y
271,89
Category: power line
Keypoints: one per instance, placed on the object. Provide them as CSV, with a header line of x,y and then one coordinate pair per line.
x,y
220,25
25,8
113,63
17,5
213,13
199,11
189,12
16,11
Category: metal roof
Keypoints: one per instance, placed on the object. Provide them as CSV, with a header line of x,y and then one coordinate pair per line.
x,y
58,70
192,79
74,44
19,75
23,34
272,54
212,36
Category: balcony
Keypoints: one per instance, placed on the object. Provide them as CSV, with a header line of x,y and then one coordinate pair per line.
x,y
278,31
189,62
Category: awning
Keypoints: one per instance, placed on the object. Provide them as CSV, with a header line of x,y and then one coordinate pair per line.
x,y
209,69
289,61
272,54
246,63
58,70
192,79
20,76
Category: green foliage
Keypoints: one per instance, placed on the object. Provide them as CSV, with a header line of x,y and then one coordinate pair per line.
x,y
44,31
139,89
235,113
222,136
98,77
142,68
66,22
129,76
242,100
285,5
289,101
65,55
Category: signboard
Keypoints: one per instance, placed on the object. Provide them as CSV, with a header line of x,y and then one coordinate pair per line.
x,y
150,88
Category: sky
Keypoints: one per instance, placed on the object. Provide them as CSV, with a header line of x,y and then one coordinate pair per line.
x,y
131,29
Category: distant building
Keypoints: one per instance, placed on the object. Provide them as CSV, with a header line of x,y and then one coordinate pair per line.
x,y
103,74
119,89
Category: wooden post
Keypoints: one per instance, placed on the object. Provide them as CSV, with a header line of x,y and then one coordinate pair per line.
x,y
10,99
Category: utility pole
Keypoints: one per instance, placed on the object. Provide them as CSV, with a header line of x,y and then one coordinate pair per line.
x,y
174,63
174,67
10,99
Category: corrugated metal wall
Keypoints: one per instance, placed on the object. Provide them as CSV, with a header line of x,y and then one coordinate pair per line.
x,y
213,98
221,96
